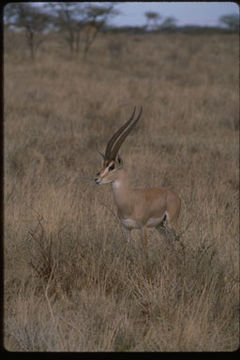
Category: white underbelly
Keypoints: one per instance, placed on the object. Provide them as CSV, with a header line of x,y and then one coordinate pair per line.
x,y
153,222
133,224
130,224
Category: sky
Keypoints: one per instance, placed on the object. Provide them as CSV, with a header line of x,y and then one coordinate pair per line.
x,y
187,13
197,13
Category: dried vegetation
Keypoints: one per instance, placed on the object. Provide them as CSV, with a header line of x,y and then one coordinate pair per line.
x,y
71,282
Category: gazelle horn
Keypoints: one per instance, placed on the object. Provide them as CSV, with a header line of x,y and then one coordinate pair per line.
x,y
123,136
116,135
119,136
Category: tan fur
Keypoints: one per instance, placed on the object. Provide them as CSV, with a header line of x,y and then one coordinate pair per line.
x,y
137,208
140,208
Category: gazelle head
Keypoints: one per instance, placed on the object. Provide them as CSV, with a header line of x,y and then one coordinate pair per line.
x,y
112,162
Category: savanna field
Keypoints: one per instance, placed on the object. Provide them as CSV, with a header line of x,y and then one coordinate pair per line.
x,y
71,280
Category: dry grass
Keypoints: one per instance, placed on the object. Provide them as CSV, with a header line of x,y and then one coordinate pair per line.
x,y
71,281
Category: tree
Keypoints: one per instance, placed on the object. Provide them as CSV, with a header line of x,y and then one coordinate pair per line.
x,y
80,22
230,21
96,19
169,24
152,19
68,18
31,19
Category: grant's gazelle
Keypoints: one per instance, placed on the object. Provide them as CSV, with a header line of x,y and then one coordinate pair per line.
x,y
137,208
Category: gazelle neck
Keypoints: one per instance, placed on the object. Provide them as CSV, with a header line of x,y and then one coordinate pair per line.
x,y
122,192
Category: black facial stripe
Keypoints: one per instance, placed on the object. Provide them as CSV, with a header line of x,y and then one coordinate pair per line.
x,y
111,167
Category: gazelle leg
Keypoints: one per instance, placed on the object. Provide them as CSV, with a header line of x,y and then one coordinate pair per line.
x,y
144,241
127,233
171,233
163,230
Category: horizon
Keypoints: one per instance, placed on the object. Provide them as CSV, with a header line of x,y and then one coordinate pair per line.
x,y
185,13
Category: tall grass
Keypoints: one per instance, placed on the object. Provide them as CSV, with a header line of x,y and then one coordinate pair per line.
x,y
71,281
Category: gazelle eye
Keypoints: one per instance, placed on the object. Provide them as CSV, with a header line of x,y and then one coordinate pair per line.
x,y
111,167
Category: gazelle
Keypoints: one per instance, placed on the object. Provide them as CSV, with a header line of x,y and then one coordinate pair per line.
x,y
137,208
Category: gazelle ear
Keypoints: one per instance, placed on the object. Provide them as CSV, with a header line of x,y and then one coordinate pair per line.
x,y
119,160
101,154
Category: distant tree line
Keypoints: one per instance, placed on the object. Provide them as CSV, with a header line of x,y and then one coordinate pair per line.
x,y
155,23
80,23
229,23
